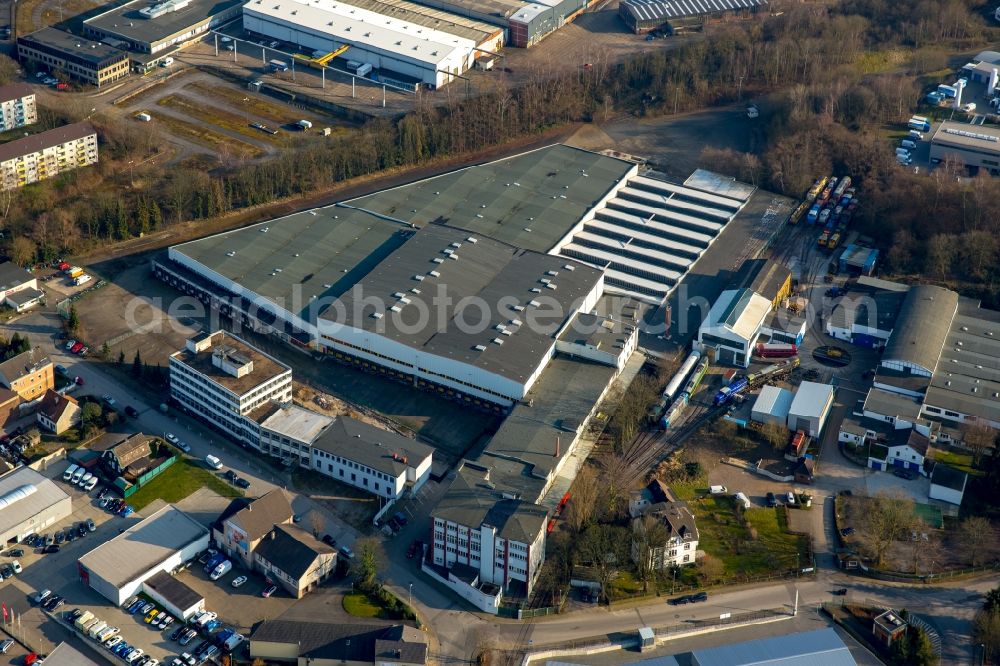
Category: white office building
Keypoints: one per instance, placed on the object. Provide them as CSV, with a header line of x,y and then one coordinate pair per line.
x,y
227,383
732,326
350,451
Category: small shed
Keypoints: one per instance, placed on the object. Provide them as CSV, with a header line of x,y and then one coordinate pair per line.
x,y
947,484
888,627
647,639
772,405
175,596
810,407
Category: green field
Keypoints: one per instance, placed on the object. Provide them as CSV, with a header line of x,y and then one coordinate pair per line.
x,y
960,461
179,481
359,605
723,536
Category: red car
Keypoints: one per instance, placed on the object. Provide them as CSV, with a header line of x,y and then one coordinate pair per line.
x,y
79,381
411,551
75,349
269,591
63,266
30,659
61,86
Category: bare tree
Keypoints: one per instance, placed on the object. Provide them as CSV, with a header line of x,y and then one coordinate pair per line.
x,y
648,535
583,499
986,627
776,435
317,522
978,437
978,538
712,568
887,519
612,485
22,251
603,548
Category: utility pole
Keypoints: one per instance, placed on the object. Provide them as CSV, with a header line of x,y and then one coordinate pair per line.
x,y
739,94
246,110
677,92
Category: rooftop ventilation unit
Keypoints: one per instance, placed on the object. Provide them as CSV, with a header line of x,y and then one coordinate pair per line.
x,y
570,267
498,341
456,245
536,290
396,308
480,347
404,301
418,278
434,274
414,290
472,240
518,308
398,294
264,230
552,273
438,260
453,256
447,250
377,315
545,280
550,286
534,304
972,135
231,253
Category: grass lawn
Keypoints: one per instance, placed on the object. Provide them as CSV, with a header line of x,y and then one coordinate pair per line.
x,y
180,480
359,605
960,461
722,535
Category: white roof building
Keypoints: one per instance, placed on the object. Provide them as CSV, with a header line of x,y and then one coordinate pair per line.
x,y
422,53
772,405
733,325
810,407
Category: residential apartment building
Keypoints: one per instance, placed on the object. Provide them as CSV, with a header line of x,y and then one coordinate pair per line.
x,y
29,374
679,544
488,537
51,49
226,382
17,106
245,522
294,559
46,155
348,450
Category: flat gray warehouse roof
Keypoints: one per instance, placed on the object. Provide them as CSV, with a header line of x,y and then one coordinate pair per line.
x,y
320,253
126,22
442,270
20,506
428,17
969,137
530,200
143,546
522,453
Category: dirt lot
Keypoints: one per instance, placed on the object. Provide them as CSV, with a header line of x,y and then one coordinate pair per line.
x,y
202,114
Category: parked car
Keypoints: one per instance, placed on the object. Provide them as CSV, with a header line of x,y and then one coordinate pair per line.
x,y
16,566
108,400
271,589
400,518
347,552
240,482
411,551
178,632
6,645
846,531
239,580
41,596
131,411
171,437
840,592
75,349
90,525
772,501
904,474
188,637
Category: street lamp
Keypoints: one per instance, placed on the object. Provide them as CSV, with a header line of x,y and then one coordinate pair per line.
x,y
246,110
409,597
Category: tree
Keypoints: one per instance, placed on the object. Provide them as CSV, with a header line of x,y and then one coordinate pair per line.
x,y
648,534
986,628
887,519
941,253
317,522
90,416
921,650
978,539
106,351
612,485
121,357
73,322
22,250
978,438
712,568
137,365
366,566
603,547
258,662
583,497
8,70
776,435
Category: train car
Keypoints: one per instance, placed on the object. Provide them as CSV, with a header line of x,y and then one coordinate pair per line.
x,y
800,212
658,409
816,189
773,372
775,350
695,380
731,391
841,188
674,413
677,381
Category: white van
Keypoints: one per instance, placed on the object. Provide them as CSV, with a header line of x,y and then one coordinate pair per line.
x,y
68,474
85,479
221,570
906,143
717,490
902,152
167,62
77,475
213,462
742,500
90,485
916,136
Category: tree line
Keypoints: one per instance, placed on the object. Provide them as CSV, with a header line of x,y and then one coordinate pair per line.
x,y
828,118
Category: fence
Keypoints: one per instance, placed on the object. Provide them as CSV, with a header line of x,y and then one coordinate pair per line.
x,y
148,476
902,577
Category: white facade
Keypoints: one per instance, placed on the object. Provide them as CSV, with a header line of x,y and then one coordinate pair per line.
x,y
372,480
732,326
224,408
497,560
431,56
810,407
49,161
18,112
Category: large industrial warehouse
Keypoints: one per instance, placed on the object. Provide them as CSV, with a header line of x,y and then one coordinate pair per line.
x,y
972,145
423,50
117,568
675,15
558,225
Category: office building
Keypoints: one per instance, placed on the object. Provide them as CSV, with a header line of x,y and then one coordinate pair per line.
x,y
92,62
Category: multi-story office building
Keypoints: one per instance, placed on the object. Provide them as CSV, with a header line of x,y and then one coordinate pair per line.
x,y
48,154
96,63
223,380
17,106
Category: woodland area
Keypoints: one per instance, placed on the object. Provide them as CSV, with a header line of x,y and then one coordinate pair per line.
x,y
843,71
